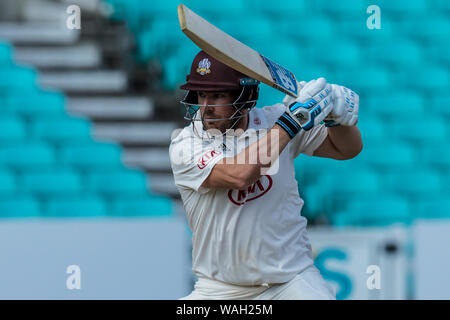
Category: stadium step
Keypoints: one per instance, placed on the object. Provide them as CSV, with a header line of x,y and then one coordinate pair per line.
x,y
42,33
154,133
85,55
85,81
163,184
106,107
155,159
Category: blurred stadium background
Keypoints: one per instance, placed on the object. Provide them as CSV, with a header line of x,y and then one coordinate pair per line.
x,y
86,118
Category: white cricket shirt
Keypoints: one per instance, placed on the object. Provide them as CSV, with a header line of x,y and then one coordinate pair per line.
x,y
252,236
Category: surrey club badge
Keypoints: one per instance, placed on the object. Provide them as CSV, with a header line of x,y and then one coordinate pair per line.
x,y
204,67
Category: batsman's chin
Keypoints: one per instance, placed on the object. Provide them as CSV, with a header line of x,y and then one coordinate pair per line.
x,y
214,130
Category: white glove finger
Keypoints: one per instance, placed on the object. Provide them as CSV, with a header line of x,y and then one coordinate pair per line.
x,y
288,100
305,92
326,105
306,96
356,107
301,84
314,87
326,92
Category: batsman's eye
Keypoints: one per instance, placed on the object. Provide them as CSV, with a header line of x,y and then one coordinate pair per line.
x,y
219,96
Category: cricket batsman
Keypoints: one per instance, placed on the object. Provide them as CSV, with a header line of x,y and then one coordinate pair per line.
x,y
234,167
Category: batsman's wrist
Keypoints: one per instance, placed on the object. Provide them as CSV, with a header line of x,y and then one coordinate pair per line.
x,y
289,125
331,123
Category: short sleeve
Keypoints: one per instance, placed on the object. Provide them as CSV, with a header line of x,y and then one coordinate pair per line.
x,y
192,161
308,141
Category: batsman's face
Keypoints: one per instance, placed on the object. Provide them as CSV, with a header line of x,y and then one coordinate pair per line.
x,y
208,112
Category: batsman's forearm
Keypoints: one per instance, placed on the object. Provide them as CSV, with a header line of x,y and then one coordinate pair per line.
x,y
261,154
346,139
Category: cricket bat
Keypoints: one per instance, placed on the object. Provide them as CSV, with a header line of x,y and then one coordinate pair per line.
x,y
234,53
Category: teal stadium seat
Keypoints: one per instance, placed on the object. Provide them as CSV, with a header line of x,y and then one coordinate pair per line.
x,y
158,8
443,5
431,78
291,8
92,156
269,96
130,11
36,104
439,52
309,169
176,67
15,79
369,79
445,178
116,8
440,104
11,129
247,26
29,155
403,7
5,54
342,8
314,204
61,129
373,130
339,53
433,209
356,28
146,206
8,183
142,13
436,155
289,57
388,154
117,182
309,70
334,189
20,206
382,210
342,185
160,40
398,53
315,28
147,46
230,7
421,182
397,105
436,28
52,182
424,130
78,206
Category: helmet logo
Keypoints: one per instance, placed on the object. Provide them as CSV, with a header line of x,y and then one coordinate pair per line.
x,y
204,67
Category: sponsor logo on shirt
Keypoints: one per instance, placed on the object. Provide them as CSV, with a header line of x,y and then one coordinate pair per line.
x,y
256,190
206,158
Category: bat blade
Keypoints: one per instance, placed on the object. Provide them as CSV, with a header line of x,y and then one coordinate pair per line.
x,y
234,53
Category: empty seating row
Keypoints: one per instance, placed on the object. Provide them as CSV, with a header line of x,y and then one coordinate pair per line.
x,y
61,181
86,205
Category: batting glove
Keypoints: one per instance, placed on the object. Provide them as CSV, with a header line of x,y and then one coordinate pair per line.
x,y
313,104
345,107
